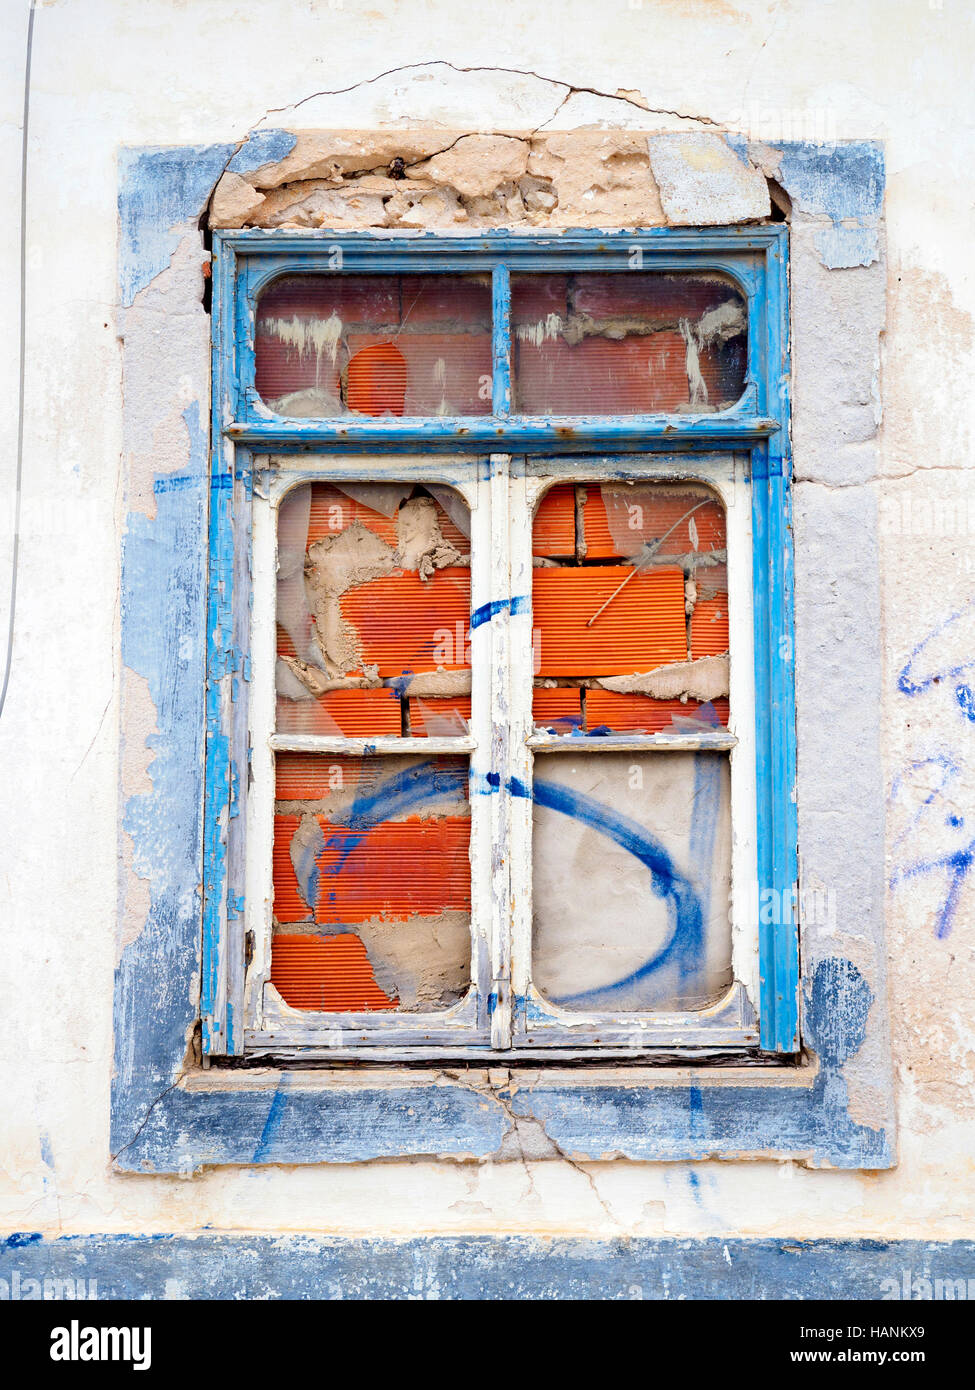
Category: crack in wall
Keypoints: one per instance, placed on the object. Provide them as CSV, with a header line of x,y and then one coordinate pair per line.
x,y
501,1094
573,89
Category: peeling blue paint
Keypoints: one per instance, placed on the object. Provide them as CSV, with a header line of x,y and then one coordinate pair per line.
x,y
163,591
844,182
707,1120
161,1126
160,190
262,147
212,1265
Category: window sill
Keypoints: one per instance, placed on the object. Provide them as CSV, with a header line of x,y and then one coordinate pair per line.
x,y
234,1115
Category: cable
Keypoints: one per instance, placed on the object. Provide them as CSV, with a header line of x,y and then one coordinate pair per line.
x,y
23,347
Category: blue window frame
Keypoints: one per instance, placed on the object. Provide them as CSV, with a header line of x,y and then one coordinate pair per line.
x,y
755,429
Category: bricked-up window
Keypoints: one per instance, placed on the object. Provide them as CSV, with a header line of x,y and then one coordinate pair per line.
x,y
375,345
631,851
627,344
497,559
371,860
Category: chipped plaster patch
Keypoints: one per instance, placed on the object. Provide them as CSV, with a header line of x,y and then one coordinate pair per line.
x,y
477,164
703,182
427,178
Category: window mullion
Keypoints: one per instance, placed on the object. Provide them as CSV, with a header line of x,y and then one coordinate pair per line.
x,y
499,796
522,497
501,341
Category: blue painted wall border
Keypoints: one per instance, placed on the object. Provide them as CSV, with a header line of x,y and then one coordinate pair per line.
x,y
168,1116
212,1265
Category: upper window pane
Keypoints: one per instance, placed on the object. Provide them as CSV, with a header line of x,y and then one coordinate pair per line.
x,y
627,343
629,590
376,345
373,610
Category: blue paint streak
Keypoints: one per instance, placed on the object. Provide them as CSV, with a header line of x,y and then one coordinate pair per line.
x,y
421,782
914,682
521,603
687,927
273,1122
304,862
965,696
704,822
47,1152
957,865
927,819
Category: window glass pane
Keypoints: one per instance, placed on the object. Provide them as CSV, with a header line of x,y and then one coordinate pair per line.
x,y
373,610
627,343
379,345
629,595
631,880
372,887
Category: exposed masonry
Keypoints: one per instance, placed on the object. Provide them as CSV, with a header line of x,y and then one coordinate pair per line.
x,y
413,949
431,179
169,1116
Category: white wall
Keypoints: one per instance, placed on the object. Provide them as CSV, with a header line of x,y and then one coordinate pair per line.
x,y
113,72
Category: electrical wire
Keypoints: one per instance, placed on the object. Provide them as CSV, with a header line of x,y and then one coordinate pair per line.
x,y
23,346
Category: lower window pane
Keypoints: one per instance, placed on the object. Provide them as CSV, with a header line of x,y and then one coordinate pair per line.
x,y
632,880
372,887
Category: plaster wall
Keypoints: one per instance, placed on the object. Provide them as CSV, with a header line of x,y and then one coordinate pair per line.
x,y
888,460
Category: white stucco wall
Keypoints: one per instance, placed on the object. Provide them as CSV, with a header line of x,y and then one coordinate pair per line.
x,y
114,72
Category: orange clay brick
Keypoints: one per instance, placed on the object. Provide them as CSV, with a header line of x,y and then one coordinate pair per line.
x,y
551,706
408,624
629,376
643,627
449,712
645,514
332,512
312,776
443,374
376,380
353,713
709,627
397,869
554,531
331,974
640,713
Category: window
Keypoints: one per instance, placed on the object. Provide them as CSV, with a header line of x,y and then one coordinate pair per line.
x,y
487,519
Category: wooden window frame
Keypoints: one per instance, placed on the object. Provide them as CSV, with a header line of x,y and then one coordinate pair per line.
x,y
503,461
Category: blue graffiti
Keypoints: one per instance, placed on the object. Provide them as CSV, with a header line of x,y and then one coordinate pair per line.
x,y
932,776
410,788
938,659
686,935
965,696
487,611
925,668
272,1123
428,780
